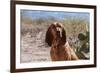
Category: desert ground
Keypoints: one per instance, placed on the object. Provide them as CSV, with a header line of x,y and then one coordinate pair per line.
x,y
33,46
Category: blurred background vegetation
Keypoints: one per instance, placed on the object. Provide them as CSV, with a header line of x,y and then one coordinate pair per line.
x,y
77,30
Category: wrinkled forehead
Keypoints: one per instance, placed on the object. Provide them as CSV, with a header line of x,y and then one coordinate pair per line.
x,y
58,24
59,29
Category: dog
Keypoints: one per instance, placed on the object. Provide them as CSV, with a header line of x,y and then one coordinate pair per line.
x,y
60,49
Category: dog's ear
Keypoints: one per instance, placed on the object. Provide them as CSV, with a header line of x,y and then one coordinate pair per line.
x,y
63,39
48,37
50,34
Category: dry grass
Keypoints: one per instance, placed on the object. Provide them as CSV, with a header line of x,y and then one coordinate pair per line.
x,y
33,46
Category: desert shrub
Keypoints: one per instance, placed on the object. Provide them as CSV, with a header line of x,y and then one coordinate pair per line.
x,y
84,46
76,25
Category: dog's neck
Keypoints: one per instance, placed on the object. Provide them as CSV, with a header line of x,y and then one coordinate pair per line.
x,y
58,43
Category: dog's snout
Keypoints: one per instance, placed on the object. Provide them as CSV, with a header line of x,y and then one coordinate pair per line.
x,y
59,31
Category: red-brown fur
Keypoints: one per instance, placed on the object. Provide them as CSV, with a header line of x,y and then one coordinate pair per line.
x,y
51,34
62,52
60,49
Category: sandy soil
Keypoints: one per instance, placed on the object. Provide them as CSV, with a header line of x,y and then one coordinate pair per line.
x,y
34,48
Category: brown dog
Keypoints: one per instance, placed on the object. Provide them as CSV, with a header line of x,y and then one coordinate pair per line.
x,y
56,38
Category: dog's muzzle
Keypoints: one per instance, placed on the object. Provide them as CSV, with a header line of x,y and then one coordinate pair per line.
x,y
59,31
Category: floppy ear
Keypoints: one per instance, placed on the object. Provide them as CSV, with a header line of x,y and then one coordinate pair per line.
x,y
63,39
50,34
48,37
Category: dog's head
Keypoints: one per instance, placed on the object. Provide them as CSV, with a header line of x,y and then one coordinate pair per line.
x,y
57,32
